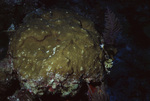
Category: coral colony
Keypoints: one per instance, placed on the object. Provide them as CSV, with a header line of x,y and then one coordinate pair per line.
x,y
56,50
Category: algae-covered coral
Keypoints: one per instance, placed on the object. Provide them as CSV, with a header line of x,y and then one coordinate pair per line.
x,y
56,49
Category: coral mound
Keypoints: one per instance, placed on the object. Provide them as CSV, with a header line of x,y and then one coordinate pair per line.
x,y
56,49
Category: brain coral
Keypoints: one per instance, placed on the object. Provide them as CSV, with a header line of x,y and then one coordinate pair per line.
x,y
56,49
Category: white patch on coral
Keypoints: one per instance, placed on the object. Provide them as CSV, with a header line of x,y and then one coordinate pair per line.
x,y
47,51
54,50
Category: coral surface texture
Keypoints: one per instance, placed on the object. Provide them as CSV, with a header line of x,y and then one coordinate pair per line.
x,y
56,49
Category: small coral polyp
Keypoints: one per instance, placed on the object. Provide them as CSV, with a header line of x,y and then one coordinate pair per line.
x,y
56,49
